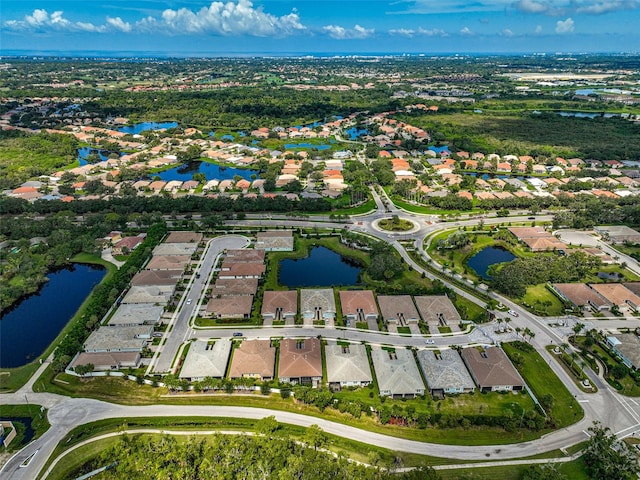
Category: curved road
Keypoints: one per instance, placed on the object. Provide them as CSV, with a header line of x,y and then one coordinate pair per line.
x,y
621,414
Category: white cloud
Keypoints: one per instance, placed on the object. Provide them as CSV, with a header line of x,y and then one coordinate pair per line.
x,y
41,20
341,33
118,24
436,32
405,32
565,26
221,18
600,7
507,32
466,31
531,6
538,29
230,18
590,7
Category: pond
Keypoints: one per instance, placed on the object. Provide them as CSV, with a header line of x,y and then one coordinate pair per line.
x,y
298,146
28,329
614,276
84,152
322,268
488,256
211,171
27,423
141,127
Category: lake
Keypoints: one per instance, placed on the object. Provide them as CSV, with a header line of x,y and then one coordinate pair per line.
x,y
141,127
211,171
28,329
488,256
322,268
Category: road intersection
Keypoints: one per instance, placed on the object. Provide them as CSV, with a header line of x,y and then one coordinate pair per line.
x,y
620,413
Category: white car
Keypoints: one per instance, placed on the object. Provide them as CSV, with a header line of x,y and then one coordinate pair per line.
x,y
429,341
512,313
189,301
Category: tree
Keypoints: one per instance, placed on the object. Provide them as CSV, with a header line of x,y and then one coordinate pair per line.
x,y
606,457
82,370
546,471
315,437
267,426
619,371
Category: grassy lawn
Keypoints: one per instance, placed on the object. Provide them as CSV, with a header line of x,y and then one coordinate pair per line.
x,y
366,207
542,301
398,225
541,379
11,379
404,330
349,447
574,470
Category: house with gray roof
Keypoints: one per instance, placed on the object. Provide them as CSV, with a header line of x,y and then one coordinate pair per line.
x,y
445,372
627,347
175,249
491,370
155,294
206,359
398,309
136,314
275,241
397,373
438,311
118,339
318,304
347,365
104,361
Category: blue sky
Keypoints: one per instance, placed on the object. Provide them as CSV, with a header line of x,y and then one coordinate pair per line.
x,y
230,27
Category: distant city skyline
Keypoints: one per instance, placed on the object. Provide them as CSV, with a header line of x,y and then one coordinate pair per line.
x,y
290,27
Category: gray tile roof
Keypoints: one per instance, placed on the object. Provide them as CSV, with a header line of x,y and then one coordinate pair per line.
x,y
444,371
347,364
397,373
204,360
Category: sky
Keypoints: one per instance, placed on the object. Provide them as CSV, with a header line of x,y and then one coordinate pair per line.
x,y
291,27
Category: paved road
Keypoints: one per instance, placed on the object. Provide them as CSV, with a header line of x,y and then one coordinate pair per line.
x,y
619,413
179,330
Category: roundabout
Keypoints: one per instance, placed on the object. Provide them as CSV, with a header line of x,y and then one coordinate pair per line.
x,y
396,224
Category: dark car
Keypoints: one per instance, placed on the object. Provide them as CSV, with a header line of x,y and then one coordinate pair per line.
x,y
237,334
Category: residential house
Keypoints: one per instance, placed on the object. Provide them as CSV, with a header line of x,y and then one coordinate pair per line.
x,y
445,372
358,306
491,370
280,305
300,361
396,372
347,366
206,359
398,309
318,304
253,359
